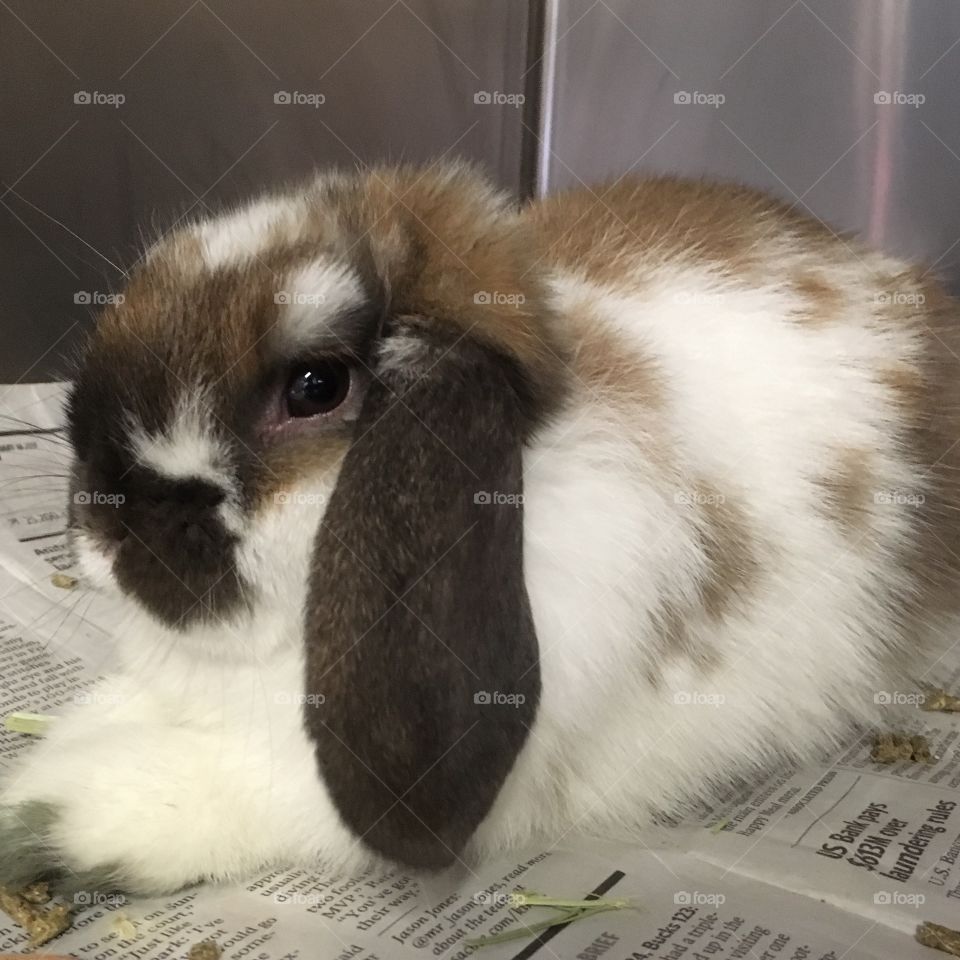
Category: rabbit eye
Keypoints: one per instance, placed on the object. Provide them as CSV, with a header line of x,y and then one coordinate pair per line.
x,y
317,387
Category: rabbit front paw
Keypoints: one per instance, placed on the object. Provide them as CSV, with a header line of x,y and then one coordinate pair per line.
x,y
145,811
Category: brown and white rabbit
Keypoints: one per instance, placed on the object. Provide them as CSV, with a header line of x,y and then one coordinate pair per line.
x,y
447,527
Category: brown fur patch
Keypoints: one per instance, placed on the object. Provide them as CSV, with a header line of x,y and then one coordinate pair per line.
x,y
822,301
290,460
906,385
729,546
846,493
616,233
730,550
676,640
449,247
603,362
208,324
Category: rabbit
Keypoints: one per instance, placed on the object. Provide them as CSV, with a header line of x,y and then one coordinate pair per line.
x,y
444,527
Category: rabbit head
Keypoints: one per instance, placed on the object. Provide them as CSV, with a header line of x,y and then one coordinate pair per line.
x,y
309,403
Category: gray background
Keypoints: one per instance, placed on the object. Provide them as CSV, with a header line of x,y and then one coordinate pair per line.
x,y
83,183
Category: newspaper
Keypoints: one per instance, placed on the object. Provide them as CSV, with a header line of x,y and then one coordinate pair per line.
x,y
838,859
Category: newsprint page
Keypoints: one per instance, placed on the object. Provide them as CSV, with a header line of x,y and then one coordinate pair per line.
x,y
841,859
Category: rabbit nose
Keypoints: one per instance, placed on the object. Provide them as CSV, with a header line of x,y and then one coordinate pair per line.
x,y
196,493
208,497
165,510
179,551
196,534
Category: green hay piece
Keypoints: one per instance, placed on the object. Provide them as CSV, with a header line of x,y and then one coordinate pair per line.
x,y
570,912
528,898
35,724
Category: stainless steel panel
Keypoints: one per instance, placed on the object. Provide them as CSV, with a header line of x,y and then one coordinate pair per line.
x,y
803,84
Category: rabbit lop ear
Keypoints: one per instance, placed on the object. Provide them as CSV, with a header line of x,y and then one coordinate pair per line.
x,y
420,639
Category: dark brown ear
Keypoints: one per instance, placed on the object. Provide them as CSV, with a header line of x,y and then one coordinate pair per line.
x,y
420,640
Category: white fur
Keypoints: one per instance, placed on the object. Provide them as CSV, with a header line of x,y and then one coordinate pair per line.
x,y
188,445
607,540
203,766
203,731
240,235
96,565
322,289
205,775
402,352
